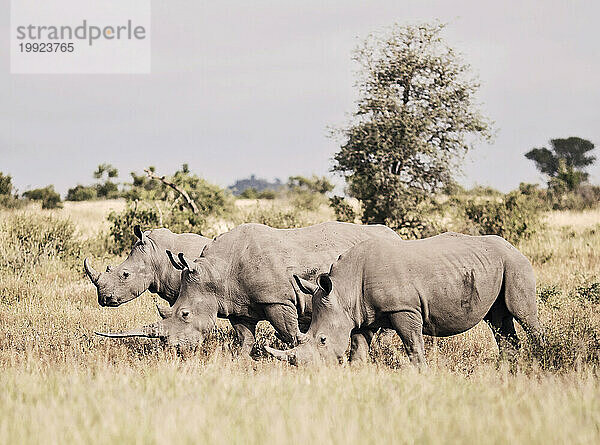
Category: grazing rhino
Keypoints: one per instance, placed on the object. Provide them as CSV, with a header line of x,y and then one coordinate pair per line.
x,y
146,268
438,286
245,276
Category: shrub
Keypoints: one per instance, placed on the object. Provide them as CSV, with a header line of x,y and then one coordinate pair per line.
x,y
149,215
50,199
585,196
122,223
81,193
343,210
307,200
279,219
29,238
513,217
7,198
6,187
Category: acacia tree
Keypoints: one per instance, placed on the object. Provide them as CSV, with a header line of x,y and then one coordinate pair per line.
x,y
415,112
565,162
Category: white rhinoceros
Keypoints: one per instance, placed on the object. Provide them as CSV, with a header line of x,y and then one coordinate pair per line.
x,y
146,268
438,286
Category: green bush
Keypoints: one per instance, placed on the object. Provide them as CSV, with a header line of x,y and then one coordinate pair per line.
x,y
585,196
50,199
9,199
343,210
514,216
308,193
149,215
306,200
81,193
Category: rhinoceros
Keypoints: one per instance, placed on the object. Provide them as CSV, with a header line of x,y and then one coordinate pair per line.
x,y
146,268
438,286
245,275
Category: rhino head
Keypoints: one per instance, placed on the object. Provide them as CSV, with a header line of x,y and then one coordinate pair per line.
x,y
194,314
327,338
129,279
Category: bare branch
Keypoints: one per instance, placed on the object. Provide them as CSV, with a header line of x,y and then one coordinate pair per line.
x,y
189,201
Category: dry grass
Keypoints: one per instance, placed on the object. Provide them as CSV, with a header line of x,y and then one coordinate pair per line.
x,y
60,383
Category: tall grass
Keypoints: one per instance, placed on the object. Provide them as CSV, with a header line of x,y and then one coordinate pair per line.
x,y
60,383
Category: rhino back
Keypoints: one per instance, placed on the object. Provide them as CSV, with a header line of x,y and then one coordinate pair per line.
x,y
261,259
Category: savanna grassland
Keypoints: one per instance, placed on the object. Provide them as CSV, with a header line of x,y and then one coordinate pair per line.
x,y
60,383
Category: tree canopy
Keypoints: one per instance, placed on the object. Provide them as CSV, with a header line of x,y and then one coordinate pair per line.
x,y
414,118
572,151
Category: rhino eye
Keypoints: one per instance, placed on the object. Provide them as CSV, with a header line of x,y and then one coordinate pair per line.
x,y
323,339
185,314
125,274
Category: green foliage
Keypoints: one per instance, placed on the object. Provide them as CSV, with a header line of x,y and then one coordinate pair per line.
x,y
343,210
49,197
161,206
514,216
28,238
122,223
308,193
149,215
9,199
415,117
111,172
210,198
315,184
585,196
566,155
6,187
82,193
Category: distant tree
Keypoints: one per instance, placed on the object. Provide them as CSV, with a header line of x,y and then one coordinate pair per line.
x,y
49,197
255,183
565,162
8,196
82,193
315,184
105,188
110,171
6,187
416,117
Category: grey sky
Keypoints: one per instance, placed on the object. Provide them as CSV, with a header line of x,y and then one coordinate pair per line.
x,y
240,87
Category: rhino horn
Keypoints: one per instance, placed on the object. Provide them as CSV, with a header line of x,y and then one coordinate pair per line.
x,y
285,356
150,331
89,270
164,312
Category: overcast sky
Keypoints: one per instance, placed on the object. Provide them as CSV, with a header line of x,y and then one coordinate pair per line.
x,y
240,87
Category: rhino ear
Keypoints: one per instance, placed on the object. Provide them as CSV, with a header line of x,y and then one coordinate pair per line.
x,y
305,286
324,281
137,230
174,262
186,262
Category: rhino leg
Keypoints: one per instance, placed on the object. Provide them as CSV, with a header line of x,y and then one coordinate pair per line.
x,y
245,331
360,342
284,319
409,326
500,321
